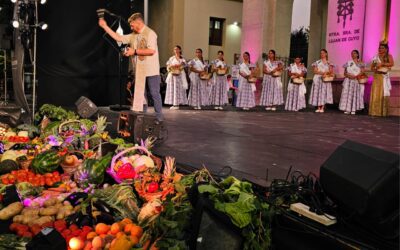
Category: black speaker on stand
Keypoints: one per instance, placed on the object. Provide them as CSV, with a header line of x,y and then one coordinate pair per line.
x,y
364,182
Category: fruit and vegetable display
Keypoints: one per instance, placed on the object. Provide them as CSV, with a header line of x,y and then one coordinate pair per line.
x,y
99,192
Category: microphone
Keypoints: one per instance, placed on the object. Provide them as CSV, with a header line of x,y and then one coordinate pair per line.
x,y
100,13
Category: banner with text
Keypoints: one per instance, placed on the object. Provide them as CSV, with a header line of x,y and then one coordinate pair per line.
x,y
345,30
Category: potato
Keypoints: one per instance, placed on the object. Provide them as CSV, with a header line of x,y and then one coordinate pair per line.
x,y
48,211
58,205
11,210
50,202
18,218
30,211
41,220
35,204
28,218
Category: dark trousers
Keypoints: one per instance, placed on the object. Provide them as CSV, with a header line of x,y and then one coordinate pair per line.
x,y
153,84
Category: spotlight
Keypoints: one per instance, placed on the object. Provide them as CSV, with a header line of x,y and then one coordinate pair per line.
x,y
43,1
235,23
43,25
15,24
13,1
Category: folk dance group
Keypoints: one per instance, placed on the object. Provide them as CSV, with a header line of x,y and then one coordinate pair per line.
x,y
211,88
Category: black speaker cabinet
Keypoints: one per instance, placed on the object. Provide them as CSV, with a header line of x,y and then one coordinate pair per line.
x,y
364,181
85,107
134,126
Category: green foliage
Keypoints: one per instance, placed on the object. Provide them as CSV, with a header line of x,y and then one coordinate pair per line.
x,y
54,113
236,199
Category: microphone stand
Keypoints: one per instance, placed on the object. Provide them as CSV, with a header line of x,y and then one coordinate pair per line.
x,y
120,106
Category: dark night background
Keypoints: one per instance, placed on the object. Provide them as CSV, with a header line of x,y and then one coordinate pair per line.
x,y
74,59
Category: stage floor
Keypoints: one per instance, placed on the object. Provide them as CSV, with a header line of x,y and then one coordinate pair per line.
x,y
254,143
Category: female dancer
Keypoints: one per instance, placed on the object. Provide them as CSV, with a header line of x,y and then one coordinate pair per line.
x,y
198,93
245,99
381,86
271,95
296,99
321,92
352,98
219,89
176,80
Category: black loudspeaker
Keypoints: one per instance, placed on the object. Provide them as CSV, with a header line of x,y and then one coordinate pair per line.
x,y
210,228
85,107
138,126
364,182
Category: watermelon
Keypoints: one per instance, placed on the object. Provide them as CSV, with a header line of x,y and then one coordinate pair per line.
x,y
46,162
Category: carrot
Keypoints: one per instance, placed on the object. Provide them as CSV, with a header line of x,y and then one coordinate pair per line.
x,y
58,189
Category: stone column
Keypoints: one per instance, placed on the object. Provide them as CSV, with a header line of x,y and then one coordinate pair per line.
x,y
394,36
266,24
317,38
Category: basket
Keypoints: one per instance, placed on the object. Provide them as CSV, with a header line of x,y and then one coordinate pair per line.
x,y
176,70
277,73
111,170
252,79
205,76
25,164
383,70
222,71
70,169
298,80
65,134
328,78
363,79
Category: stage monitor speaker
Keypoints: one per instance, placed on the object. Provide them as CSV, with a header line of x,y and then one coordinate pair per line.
x,y
364,181
210,228
134,126
85,107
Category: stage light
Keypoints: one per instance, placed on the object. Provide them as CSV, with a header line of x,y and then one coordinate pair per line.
x,y
13,1
43,25
43,1
15,24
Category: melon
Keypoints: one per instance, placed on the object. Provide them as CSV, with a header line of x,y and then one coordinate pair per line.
x,y
143,160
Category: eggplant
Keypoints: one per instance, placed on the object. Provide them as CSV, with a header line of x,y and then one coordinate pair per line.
x,y
105,218
73,218
102,206
76,198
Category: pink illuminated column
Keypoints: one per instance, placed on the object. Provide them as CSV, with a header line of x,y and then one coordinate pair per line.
x,y
394,35
252,28
374,27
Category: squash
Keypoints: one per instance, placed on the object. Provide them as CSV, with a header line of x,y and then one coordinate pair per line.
x,y
7,166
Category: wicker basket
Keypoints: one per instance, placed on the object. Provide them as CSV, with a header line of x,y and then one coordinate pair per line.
x,y
252,79
363,79
328,78
111,170
64,134
222,71
70,169
205,76
298,80
277,73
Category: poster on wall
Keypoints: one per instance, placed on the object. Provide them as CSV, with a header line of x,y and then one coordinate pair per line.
x,y
345,29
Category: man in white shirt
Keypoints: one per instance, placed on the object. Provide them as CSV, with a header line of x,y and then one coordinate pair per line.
x,y
144,51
